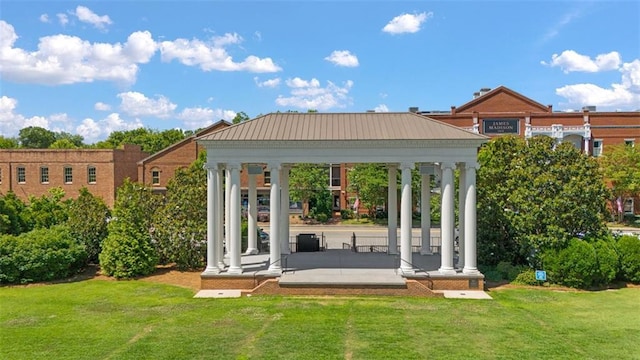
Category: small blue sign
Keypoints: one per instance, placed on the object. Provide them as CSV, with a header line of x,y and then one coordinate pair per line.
x,y
541,275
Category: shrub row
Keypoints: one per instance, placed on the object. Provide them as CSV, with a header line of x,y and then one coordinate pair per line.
x,y
40,255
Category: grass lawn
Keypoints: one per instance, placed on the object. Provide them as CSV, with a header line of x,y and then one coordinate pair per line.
x,y
140,320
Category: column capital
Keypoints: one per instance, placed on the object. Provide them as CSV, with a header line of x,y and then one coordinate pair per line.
x,y
472,165
234,166
274,166
210,165
447,165
407,165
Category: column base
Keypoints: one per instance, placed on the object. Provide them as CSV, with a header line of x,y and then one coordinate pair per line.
x,y
471,271
275,271
407,271
251,252
235,270
222,265
211,270
447,271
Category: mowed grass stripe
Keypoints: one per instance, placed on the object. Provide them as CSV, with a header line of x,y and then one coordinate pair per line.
x,y
141,320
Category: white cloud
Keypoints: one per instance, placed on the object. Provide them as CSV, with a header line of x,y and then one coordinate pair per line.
x,y
381,108
92,130
64,59
137,104
85,15
100,106
213,56
309,95
407,23
63,19
44,18
343,58
196,118
12,122
631,76
271,83
570,60
226,39
565,20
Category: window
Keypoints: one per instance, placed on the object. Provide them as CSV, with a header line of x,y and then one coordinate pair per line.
x,y
91,175
68,175
335,175
628,206
155,177
597,147
267,177
44,175
630,142
21,173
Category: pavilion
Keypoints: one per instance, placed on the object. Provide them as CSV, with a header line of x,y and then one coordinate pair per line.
x,y
401,141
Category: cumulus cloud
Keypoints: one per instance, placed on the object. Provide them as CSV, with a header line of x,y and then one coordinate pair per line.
x,y
11,122
381,108
624,95
44,18
570,61
100,106
271,83
85,15
198,117
63,19
64,59
212,55
310,95
137,104
407,23
343,58
92,130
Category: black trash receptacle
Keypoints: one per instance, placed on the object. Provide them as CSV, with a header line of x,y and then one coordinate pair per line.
x,y
307,243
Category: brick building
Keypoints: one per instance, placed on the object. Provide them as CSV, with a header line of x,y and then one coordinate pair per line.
x,y
32,172
503,111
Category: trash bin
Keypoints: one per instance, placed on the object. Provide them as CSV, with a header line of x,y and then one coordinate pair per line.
x,y
307,243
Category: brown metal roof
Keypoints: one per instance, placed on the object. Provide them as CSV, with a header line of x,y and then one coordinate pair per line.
x,y
341,126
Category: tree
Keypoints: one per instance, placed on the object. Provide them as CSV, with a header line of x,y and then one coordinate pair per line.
x,y
240,117
621,168
87,222
180,227
34,137
370,183
47,210
128,250
8,143
75,141
12,210
535,195
150,141
63,144
306,181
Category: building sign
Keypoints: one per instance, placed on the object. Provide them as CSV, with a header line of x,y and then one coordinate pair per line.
x,y
501,126
541,275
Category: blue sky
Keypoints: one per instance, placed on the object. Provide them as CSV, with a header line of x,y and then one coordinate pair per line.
x,y
90,68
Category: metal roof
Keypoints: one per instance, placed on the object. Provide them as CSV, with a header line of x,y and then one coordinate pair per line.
x,y
341,126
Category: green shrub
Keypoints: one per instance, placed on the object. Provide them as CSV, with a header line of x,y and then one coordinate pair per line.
x,y
40,255
508,271
607,262
629,252
322,217
574,266
526,277
346,214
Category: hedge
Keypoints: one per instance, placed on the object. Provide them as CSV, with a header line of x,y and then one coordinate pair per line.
x,y
40,255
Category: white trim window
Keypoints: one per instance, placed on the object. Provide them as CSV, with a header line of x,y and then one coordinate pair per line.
x,y
598,144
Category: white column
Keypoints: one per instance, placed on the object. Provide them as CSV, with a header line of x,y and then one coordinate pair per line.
x,y
219,218
212,265
284,204
227,206
392,209
252,213
470,265
235,262
425,214
447,219
462,193
274,220
406,266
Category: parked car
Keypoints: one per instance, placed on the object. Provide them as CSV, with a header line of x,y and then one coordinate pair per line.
x,y
263,214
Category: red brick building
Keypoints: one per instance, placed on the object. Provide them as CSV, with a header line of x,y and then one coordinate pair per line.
x,y
32,172
503,111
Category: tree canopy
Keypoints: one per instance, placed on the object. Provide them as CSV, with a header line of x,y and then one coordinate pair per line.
x,y
621,168
535,195
308,181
